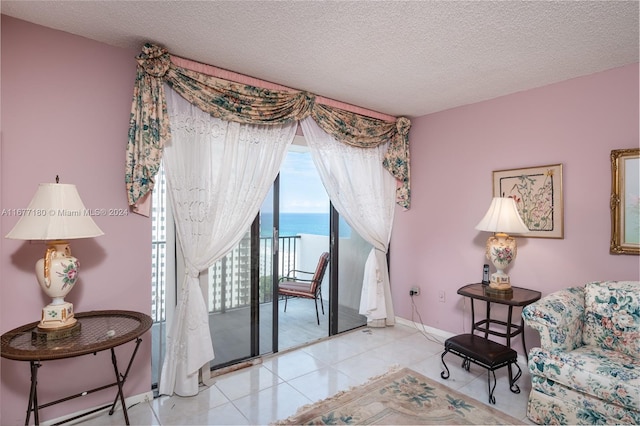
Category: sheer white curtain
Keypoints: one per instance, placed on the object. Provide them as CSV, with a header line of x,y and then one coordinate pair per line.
x,y
363,192
218,174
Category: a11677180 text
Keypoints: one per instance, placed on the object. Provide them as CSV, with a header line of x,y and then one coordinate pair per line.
x,y
64,212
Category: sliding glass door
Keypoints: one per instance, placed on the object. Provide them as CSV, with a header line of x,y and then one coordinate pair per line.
x,y
304,232
296,224
352,252
232,305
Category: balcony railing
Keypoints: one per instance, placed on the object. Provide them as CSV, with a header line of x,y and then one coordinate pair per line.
x,y
230,277
158,279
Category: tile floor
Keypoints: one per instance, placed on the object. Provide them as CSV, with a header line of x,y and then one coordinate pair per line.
x,y
275,388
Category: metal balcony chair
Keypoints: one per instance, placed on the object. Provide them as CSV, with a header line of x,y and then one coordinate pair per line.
x,y
294,286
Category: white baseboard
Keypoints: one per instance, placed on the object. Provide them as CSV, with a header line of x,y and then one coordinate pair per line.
x,y
130,401
431,330
444,334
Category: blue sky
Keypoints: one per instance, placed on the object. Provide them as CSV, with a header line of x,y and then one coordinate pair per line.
x,y
300,188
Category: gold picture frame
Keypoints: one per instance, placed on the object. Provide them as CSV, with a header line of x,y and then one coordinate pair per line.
x,y
538,195
625,201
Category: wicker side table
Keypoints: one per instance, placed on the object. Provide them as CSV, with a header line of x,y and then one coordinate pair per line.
x,y
101,330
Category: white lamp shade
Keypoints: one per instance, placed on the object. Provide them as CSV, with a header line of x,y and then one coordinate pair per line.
x,y
56,212
503,216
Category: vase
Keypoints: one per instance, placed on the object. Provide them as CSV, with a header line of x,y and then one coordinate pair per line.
x,y
501,250
57,273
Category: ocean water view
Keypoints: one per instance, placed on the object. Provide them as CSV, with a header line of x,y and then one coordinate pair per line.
x,y
292,224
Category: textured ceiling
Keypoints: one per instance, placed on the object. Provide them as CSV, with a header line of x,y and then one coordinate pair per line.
x,y
398,57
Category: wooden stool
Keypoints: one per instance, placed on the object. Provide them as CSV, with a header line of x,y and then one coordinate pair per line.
x,y
485,353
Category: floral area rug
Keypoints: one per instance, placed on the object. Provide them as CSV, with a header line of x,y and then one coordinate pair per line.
x,y
401,397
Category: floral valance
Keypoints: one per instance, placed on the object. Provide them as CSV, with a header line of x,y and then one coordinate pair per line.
x,y
149,123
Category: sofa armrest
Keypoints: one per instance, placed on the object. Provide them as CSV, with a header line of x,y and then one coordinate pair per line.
x,y
559,318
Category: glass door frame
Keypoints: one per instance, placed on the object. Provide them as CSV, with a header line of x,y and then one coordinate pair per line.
x,y
275,270
334,267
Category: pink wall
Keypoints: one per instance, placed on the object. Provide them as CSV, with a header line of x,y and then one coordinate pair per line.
x,y
65,110
67,99
577,123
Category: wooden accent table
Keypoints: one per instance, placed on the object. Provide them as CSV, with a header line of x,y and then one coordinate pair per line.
x,y
101,330
520,297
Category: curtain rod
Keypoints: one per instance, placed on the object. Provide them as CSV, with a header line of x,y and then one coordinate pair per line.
x,y
244,79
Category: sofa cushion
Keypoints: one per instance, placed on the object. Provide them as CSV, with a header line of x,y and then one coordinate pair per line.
x,y
609,375
612,316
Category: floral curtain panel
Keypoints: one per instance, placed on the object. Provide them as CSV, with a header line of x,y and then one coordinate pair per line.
x,y
149,122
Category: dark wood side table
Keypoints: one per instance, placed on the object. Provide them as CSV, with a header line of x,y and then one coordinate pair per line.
x,y
100,330
521,297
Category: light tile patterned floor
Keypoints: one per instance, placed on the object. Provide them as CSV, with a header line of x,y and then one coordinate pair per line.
x,y
282,383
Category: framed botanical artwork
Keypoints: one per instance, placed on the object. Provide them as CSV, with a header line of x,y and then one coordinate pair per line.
x,y
538,195
625,201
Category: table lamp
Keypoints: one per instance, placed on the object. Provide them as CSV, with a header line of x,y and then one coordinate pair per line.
x,y
502,218
56,214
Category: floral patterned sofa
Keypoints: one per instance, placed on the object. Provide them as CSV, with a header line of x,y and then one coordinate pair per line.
x,y
588,368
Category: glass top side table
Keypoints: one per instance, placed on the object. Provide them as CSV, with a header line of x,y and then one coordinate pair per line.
x,y
100,330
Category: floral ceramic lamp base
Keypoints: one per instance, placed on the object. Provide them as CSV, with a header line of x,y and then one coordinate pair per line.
x,y
56,317
501,251
57,272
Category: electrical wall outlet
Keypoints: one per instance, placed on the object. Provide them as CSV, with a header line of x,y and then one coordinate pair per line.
x,y
414,291
441,296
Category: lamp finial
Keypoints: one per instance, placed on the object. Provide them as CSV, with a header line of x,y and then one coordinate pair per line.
x,y
57,179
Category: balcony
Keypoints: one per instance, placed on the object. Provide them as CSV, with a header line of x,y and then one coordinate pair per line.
x,y
229,296
229,278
